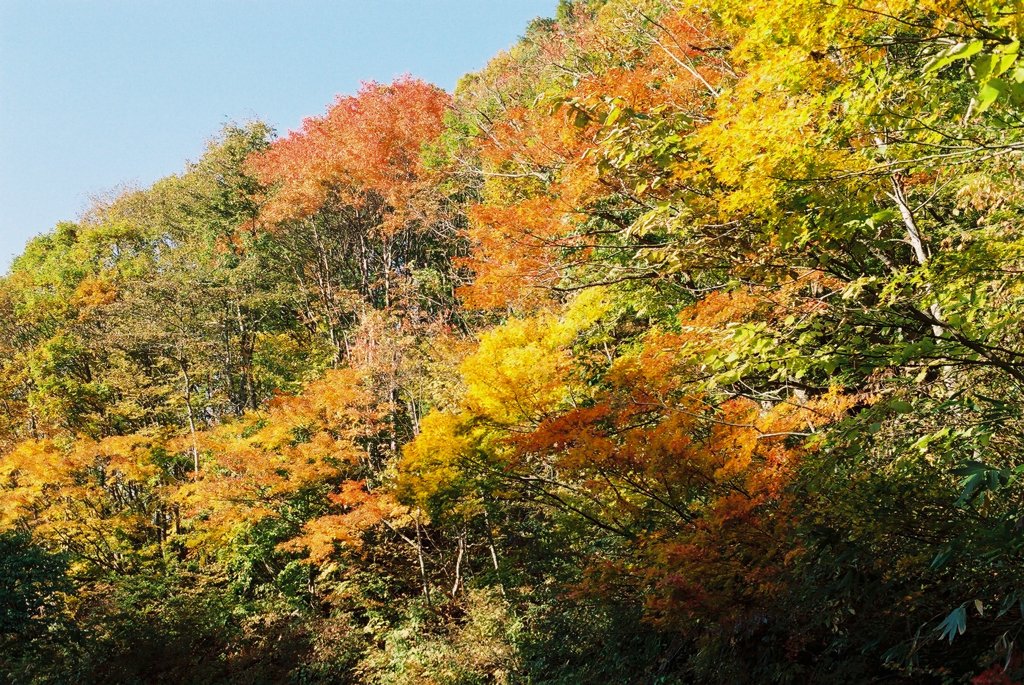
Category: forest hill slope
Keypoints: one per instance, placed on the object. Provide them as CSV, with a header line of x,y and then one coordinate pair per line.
x,y
681,344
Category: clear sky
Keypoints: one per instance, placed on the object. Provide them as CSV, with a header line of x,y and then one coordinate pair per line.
x,y
95,94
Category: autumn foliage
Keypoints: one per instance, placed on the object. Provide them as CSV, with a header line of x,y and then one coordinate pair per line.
x,y
368,144
682,343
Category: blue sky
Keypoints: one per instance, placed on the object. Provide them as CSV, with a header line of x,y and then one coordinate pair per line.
x,y
100,93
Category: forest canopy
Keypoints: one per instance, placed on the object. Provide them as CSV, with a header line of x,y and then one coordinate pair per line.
x,y
683,343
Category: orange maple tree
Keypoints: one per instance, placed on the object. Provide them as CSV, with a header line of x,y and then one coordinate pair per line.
x,y
367,146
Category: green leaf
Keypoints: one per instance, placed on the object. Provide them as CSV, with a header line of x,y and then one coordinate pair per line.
x,y
990,92
983,67
882,217
991,65
1002,63
1017,91
942,557
978,479
954,624
900,406
613,116
1009,48
950,55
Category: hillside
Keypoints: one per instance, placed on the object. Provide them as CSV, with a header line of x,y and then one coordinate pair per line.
x,y
683,343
